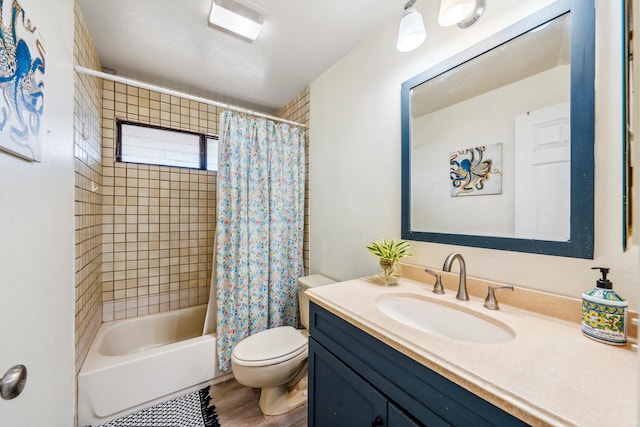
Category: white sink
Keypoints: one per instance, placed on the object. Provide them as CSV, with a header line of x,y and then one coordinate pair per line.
x,y
443,319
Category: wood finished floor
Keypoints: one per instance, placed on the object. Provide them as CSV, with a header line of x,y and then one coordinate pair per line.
x,y
237,406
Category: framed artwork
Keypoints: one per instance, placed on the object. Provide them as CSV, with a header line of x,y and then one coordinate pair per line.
x,y
476,171
21,82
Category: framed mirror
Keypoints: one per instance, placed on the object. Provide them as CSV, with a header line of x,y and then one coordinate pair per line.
x,y
630,191
497,142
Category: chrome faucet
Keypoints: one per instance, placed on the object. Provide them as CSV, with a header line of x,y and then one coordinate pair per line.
x,y
462,286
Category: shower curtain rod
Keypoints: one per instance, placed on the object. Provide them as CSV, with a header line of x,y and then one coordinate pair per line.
x,y
166,91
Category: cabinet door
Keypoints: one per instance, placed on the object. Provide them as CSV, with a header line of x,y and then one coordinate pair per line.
x,y
338,397
397,418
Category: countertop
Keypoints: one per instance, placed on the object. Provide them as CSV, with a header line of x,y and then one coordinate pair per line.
x,y
550,374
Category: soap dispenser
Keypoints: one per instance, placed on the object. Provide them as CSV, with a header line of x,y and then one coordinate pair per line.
x,y
604,312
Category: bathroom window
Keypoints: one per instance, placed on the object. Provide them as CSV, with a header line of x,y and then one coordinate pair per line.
x,y
212,153
152,145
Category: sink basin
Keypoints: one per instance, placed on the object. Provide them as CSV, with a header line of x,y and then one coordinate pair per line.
x,y
443,319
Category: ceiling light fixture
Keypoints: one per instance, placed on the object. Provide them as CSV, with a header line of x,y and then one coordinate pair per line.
x,y
237,16
411,33
464,13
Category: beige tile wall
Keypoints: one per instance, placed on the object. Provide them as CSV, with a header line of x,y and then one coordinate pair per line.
x,y
88,193
158,221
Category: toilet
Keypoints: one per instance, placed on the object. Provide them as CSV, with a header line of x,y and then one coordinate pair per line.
x,y
275,360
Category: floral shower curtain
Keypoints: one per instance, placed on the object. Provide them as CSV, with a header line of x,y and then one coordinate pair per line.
x,y
259,230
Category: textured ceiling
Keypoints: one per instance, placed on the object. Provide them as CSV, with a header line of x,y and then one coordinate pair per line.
x,y
170,43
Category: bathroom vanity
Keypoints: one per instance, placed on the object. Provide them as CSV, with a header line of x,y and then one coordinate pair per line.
x,y
356,379
366,368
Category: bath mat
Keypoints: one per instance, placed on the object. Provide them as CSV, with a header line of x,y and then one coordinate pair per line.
x,y
190,410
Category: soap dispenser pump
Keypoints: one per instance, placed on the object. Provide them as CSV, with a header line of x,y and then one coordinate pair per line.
x,y
604,312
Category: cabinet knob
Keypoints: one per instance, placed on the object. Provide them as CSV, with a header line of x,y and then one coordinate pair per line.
x,y
377,422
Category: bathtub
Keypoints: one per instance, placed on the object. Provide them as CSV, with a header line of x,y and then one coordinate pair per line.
x,y
136,362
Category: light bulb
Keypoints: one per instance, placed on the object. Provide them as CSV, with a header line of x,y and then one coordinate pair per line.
x,y
411,33
454,11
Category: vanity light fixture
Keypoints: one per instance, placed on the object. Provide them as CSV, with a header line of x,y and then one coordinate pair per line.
x,y
464,13
237,16
411,33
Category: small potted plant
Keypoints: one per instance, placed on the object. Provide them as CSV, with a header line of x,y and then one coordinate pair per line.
x,y
389,252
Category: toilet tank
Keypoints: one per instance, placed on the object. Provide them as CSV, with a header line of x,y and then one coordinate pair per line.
x,y
304,283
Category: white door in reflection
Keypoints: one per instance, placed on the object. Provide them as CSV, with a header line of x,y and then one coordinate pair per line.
x,y
543,174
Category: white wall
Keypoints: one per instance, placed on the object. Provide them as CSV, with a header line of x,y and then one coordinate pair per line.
x,y
355,158
36,242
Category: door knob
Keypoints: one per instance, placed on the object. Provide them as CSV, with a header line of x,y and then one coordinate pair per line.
x,y
13,381
377,422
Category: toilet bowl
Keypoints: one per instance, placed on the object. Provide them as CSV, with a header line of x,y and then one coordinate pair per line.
x,y
275,360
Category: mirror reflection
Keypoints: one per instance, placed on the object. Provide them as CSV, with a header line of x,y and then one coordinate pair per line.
x,y
491,144
497,141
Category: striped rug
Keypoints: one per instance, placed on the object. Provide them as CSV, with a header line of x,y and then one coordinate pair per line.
x,y
190,410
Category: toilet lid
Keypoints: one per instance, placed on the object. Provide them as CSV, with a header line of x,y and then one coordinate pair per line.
x,y
271,346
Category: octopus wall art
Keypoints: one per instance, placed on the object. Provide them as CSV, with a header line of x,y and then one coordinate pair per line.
x,y
21,82
476,171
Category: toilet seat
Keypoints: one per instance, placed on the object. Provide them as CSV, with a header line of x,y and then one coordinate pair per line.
x,y
270,347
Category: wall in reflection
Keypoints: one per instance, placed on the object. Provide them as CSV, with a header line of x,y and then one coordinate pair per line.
x,y
485,119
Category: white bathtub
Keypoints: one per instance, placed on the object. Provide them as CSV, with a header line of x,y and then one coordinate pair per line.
x,y
134,363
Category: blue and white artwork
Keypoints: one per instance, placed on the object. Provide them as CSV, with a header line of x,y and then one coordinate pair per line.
x,y
21,82
476,171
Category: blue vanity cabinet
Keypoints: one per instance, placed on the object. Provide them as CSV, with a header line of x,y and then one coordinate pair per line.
x,y
342,398
347,400
357,380
397,418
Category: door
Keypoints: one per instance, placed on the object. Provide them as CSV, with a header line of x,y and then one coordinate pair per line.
x,y
338,397
36,288
543,174
37,240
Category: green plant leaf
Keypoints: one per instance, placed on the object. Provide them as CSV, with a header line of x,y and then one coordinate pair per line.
x,y
390,249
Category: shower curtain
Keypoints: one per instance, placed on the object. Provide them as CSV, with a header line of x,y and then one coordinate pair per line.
x,y
259,228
